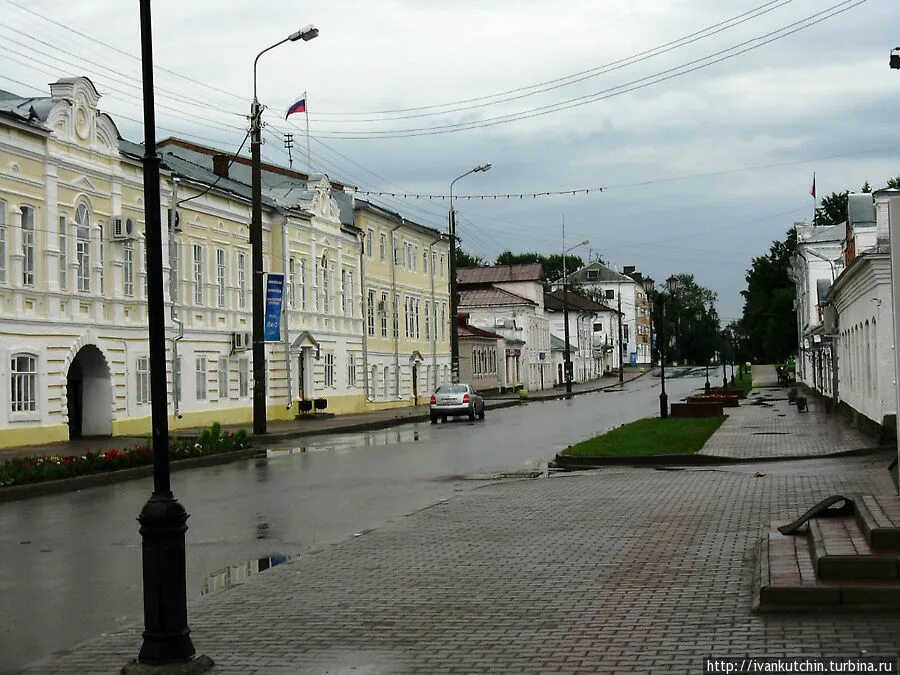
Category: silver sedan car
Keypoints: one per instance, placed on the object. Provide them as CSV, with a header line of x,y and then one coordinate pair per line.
x,y
453,400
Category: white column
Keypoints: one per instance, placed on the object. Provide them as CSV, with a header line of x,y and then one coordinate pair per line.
x,y
51,248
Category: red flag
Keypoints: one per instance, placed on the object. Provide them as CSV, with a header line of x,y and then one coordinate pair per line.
x,y
813,191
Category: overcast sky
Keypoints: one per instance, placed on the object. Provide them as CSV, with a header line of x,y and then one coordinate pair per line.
x,y
704,169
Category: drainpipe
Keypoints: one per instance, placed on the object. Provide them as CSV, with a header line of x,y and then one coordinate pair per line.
x,y
395,309
284,312
173,294
364,292
433,314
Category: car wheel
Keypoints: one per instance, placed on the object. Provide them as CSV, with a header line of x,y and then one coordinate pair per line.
x,y
444,419
472,414
481,414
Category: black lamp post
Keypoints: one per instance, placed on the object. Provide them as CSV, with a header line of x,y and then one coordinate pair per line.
x,y
166,638
454,295
724,372
256,242
672,286
732,358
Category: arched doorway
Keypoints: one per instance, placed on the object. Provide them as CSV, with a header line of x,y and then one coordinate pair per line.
x,y
89,394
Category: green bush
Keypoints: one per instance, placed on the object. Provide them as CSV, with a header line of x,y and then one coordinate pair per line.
x,y
38,468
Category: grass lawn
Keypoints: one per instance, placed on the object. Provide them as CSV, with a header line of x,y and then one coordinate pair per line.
x,y
744,382
651,436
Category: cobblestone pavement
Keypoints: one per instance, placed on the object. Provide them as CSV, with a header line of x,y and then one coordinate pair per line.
x,y
765,425
623,570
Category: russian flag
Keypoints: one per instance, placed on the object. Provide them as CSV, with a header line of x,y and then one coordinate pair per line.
x,y
299,106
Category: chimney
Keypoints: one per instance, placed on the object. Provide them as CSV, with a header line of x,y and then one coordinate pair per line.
x,y
220,165
628,270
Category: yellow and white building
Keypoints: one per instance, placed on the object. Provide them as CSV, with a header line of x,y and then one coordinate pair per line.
x,y
73,314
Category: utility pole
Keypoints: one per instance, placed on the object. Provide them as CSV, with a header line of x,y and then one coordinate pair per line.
x,y
567,356
454,298
289,145
256,246
621,358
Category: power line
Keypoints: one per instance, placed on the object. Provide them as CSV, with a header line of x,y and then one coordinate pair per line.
x,y
640,83
568,80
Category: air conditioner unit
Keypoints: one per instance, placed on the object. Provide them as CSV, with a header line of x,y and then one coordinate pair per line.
x,y
123,228
241,341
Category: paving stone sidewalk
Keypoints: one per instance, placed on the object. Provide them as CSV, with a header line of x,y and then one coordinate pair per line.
x,y
624,570
766,425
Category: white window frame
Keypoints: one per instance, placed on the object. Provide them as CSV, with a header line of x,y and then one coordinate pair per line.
x,y
83,247
427,320
385,302
351,370
28,245
223,377
4,238
350,303
142,380
200,379
326,284
220,277
197,273
63,241
343,291
23,386
370,311
382,247
291,283
303,284
329,370
243,377
370,243
242,279
128,268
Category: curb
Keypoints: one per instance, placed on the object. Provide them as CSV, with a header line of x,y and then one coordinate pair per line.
x,y
50,487
567,463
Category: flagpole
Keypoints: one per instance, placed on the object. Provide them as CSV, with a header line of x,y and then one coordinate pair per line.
x,y
814,198
306,114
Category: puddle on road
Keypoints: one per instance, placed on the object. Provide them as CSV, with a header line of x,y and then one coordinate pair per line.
x,y
234,575
346,442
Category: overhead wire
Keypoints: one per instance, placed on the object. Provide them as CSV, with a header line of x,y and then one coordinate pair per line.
x,y
634,85
568,80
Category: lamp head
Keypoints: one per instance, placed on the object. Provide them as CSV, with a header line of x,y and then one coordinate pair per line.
x,y
306,34
648,285
672,284
486,166
895,59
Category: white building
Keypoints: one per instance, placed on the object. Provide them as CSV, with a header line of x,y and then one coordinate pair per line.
x,y
845,311
592,331
509,300
814,267
620,290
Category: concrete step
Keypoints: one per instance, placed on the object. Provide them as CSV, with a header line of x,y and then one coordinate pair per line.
x,y
839,550
785,580
879,518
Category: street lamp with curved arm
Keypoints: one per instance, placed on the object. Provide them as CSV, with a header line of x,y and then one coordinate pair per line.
x,y
258,305
567,356
454,325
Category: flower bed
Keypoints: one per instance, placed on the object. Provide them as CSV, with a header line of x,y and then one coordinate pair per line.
x,y
39,468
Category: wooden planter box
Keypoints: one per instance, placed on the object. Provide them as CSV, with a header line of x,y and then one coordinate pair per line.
x,y
704,409
740,393
727,401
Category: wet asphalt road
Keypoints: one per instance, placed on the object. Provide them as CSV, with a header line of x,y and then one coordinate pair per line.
x,y
71,563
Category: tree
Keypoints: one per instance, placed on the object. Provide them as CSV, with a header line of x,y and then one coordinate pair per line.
x,y
464,259
768,326
833,210
692,323
894,183
552,264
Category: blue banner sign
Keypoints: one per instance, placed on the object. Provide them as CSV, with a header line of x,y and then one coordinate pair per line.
x,y
274,297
